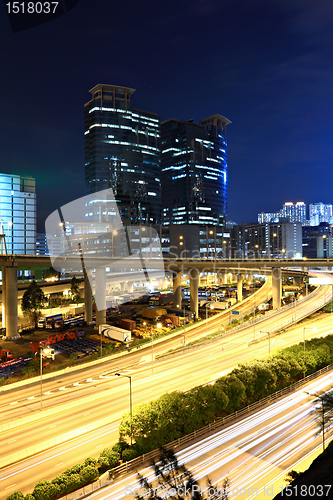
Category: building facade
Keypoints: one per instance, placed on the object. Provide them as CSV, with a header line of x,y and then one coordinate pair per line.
x,y
194,171
265,241
122,152
18,213
295,212
319,212
317,241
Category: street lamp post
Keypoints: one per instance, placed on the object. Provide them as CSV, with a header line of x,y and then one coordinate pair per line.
x,y
210,307
314,329
130,381
269,340
183,321
47,353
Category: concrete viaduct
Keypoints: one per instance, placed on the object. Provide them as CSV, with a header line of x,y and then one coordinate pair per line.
x,y
192,267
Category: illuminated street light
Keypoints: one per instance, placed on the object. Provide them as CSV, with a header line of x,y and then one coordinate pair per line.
x,y
47,353
269,340
314,329
130,381
210,307
159,325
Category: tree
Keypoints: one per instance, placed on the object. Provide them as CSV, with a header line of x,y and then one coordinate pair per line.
x,y
176,482
324,413
32,302
75,291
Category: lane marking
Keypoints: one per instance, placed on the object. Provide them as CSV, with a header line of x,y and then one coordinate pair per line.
x,y
10,486
142,393
99,445
13,441
85,414
51,426
31,397
174,382
13,402
59,464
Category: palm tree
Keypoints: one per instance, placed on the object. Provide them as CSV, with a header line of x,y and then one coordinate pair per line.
x,y
175,482
323,412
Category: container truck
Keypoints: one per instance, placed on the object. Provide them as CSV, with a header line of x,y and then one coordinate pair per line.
x,y
48,321
114,333
173,318
162,299
127,324
153,313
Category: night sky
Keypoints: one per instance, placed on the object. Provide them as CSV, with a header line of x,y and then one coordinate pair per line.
x,y
266,65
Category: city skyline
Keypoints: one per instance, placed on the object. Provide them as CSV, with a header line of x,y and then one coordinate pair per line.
x,y
266,71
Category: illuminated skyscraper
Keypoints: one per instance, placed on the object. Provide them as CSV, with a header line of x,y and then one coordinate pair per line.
x,y
194,171
18,213
122,152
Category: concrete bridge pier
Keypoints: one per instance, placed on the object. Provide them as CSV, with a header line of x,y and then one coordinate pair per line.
x,y
4,281
194,285
276,287
239,287
177,289
11,303
87,297
100,296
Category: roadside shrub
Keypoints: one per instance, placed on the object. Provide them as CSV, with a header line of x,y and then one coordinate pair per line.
x,y
44,490
129,454
75,469
120,446
111,457
90,461
17,495
89,473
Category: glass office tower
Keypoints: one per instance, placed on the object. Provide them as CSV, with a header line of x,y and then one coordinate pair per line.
x,y
18,213
194,171
122,152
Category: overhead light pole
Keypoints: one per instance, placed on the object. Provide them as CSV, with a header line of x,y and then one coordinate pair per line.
x,y
130,381
269,340
46,351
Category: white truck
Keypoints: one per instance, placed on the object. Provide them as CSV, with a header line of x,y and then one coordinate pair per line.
x,y
115,333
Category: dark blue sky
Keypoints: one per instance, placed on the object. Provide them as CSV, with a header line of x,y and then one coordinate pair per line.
x,y
267,65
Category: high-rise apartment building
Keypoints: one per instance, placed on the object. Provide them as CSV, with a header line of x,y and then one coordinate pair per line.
x,y
319,212
18,213
295,212
122,152
269,240
194,171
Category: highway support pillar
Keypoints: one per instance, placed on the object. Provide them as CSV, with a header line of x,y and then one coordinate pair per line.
x,y
223,277
11,303
100,296
276,287
87,297
4,280
194,286
239,287
177,289
130,287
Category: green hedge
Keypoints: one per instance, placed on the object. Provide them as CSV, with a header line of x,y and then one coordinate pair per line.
x,y
173,415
